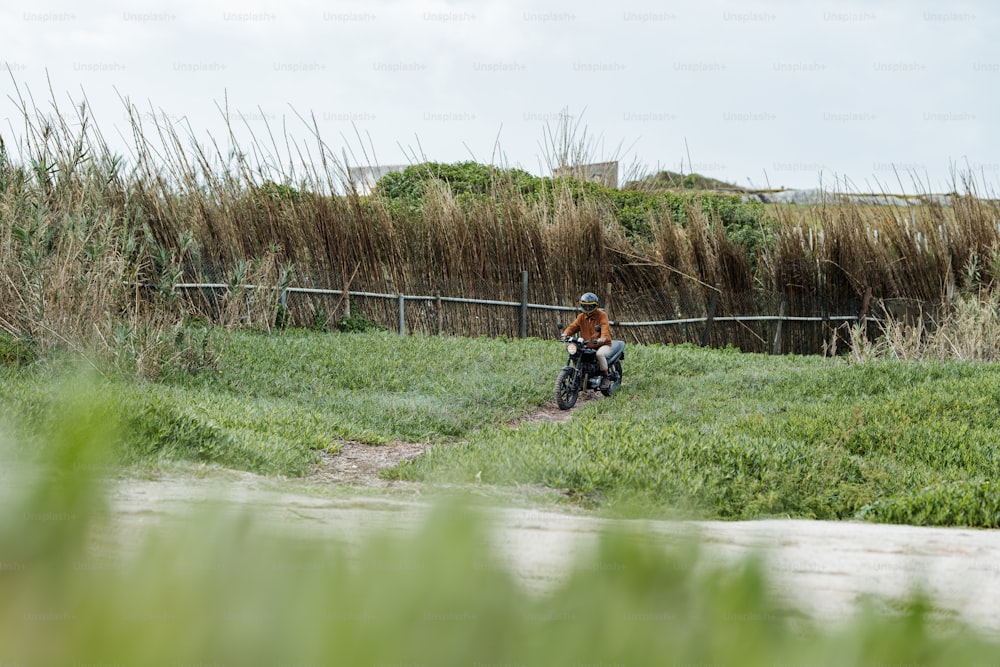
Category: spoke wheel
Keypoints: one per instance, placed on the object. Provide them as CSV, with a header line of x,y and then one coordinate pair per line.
x,y
566,391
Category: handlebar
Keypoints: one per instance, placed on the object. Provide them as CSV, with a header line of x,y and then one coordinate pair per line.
x,y
566,339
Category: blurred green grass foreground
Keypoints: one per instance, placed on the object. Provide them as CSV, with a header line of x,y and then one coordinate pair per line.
x,y
224,589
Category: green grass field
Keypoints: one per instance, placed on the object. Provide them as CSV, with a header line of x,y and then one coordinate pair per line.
x,y
693,432
720,434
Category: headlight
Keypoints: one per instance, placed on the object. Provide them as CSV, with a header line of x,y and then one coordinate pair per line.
x,y
571,348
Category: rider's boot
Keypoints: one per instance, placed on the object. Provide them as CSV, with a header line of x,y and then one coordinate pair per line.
x,y
605,381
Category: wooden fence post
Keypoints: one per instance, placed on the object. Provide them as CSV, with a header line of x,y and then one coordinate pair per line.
x,y
524,304
776,347
345,296
440,313
713,305
824,312
402,315
863,315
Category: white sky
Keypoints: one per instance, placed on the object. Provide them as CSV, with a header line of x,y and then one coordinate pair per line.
x,y
775,92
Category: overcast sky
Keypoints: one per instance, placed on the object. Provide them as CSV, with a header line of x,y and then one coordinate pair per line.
x,y
762,93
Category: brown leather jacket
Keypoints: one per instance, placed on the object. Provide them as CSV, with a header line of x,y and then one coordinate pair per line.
x,y
586,324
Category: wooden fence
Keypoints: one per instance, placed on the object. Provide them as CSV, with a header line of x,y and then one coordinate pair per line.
x,y
702,330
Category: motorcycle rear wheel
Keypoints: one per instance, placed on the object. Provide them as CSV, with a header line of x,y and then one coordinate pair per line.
x,y
566,391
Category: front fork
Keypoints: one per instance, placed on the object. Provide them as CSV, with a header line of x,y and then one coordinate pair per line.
x,y
579,378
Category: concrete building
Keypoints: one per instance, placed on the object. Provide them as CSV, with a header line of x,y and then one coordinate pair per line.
x,y
605,173
365,178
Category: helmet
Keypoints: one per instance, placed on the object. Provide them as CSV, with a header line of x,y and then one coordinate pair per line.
x,y
588,302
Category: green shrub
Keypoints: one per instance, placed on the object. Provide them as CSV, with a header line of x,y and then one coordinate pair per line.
x,y
15,351
745,222
356,323
461,177
278,192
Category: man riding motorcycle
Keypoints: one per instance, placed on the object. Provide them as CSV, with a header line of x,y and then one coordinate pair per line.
x,y
586,323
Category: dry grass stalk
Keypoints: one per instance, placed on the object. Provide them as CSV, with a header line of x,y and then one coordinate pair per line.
x,y
80,225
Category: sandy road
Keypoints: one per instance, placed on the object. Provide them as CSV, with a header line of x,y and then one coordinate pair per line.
x,y
823,568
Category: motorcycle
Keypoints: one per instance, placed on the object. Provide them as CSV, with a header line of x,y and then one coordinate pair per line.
x,y
582,371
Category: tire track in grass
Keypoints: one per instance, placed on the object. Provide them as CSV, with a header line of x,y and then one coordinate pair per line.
x,y
359,464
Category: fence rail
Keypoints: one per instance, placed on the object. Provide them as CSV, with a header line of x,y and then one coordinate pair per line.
x,y
524,305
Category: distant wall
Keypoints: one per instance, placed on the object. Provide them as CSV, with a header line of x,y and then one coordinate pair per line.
x,y
605,173
364,178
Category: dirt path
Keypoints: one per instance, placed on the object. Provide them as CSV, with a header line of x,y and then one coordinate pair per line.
x,y
822,568
358,464
550,412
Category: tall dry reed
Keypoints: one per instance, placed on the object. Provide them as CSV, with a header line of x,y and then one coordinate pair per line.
x,y
81,227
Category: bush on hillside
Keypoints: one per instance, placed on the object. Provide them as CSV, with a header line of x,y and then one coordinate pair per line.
x,y
745,222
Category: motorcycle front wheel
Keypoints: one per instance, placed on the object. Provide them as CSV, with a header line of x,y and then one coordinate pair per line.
x,y
566,391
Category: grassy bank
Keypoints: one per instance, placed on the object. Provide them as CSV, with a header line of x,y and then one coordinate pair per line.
x,y
724,434
697,432
272,401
